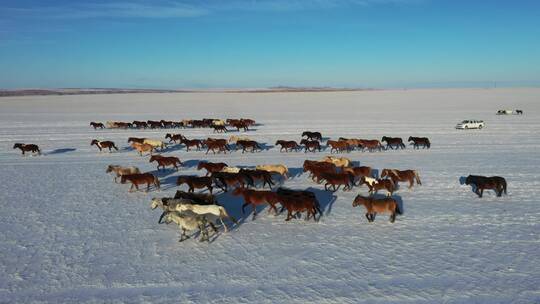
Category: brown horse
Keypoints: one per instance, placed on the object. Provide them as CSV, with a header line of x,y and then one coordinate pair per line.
x,y
104,145
393,142
256,198
353,142
174,137
496,183
97,125
402,176
224,180
211,167
316,168
164,161
380,184
27,148
142,148
154,124
417,141
339,179
338,146
310,145
197,198
219,145
370,145
191,143
259,175
374,206
296,201
288,145
248,145
139,179
240,125
312,135
195,182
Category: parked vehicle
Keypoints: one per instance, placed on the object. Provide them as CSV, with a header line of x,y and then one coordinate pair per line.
x,y
471,124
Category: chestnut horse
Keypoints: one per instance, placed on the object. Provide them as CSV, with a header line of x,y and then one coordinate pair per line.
x,y
339,179
288,145
417,141
27,147
338,146
97,125
216,145
297,201
374,206
310,145
402,176
139,140
142,148
164,161
103,145
240,125
370,145
380,184
211,167
496,183
195,182
256,198
312,135
358,172
139,179
393,142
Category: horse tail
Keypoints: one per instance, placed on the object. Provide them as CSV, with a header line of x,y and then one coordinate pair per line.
x,y
417,177
504,186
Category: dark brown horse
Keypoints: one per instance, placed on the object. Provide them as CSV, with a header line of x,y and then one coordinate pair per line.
x,y
259,175
195,182
374,206
393,142
191,143
419,141
139,179
288,145
316,168
140,124
97,125
219,145
152,124
198,198
27,148
124,125
174,137
139,140
104,145
247,145
496,183
211,167
219,129
358,172
164,161
312,135
240,125
297,201
310,145
402,176
338,146
256,198
224,180
386,184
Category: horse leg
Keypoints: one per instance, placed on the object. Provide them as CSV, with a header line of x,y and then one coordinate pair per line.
x,y
244,206
289,215
254,212
223,223
393,217
481,192
411,182
367,216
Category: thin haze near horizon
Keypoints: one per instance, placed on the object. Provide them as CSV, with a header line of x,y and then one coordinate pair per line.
x,y
255,44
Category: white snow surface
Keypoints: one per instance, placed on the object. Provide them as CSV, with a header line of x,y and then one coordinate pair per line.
x,y
69,234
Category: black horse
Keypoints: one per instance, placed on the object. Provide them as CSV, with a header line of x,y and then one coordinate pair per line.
x,y
393,142
496,183
312,135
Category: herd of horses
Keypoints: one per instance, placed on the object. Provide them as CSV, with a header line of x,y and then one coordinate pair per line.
x,y
193,210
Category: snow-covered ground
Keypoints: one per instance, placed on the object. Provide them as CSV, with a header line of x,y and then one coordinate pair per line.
x,y
69,234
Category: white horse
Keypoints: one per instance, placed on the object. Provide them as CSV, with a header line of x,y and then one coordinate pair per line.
x,y
216,210
155,143
338,161
119,170
218,122
188,222
280,169
235,138
230,169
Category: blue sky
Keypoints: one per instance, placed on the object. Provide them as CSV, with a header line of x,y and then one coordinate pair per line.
x,y
248,43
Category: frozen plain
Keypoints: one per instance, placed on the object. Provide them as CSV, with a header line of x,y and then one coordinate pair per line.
x,y
71,235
